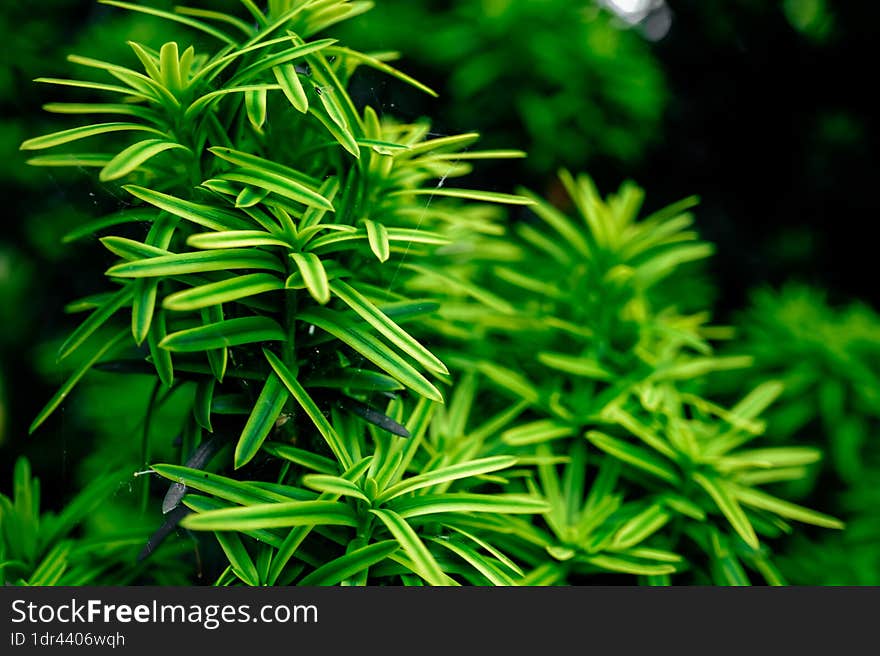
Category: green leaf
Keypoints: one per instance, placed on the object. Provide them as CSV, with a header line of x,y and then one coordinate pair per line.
x,y
102,108
326,96
52,567
627,566
71,382
273,515
203,103
74,134
238,557
302,457
446,474
470,194
255,105
640,527
278,58
311,409
223,291
71,159
423,563
793,456
377,235
95,320
729,507
135,155
91,227
389,329
342,135
314,276
143,306
354,562
201,262
203,504
249,197
762,500
206,216
230,332
235,239
335,485
161,358
483,565
537,432
199,25
129,249
509,380
379,65
374,351
262,420
696,367
288,80
95,86
286,187
585,367
202,403
225,488
635,456
452,502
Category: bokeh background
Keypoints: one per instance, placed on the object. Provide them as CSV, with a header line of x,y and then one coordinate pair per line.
x,y
763,109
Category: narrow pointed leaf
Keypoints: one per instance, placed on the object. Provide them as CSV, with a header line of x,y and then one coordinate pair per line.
x,y
74,134
161,357
202,403
311,409
446,474
200,262
230,332
634,455
288,80
759,499
266,411
342,135
191,22
273,515
314,275
95,320
303,457
135,155
352,563
255,104
376,352
74,378
470,194
637,529
423,562
729,507
223,487
224,291
238,557
234,239
377,235
286,187
429,504
390,330
204,215
334,485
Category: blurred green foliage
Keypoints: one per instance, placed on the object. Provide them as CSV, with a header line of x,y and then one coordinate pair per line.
x,y
827,355
564,80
